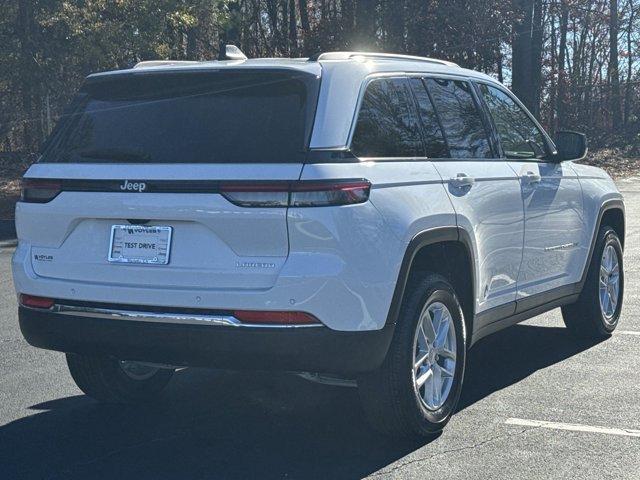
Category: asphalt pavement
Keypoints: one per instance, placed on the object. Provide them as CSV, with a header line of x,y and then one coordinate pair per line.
x,y
7,230
536,404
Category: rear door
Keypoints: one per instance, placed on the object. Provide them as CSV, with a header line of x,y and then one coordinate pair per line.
x,y
484,191
552,197
191,165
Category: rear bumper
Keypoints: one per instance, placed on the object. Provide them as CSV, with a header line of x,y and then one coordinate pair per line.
x,y
343,295
314,349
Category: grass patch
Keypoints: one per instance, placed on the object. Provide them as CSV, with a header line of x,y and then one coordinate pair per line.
x,y
619,163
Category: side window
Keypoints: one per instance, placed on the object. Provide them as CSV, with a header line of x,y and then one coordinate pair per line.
x,y
387,124
460,118
435,145
520,137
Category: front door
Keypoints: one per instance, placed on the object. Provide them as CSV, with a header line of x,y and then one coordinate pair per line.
x,y
553,255
552,202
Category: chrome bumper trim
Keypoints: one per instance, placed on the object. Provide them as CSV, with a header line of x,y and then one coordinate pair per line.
x,y
176,318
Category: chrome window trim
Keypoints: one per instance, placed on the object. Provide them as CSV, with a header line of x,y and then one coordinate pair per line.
x,y
155,317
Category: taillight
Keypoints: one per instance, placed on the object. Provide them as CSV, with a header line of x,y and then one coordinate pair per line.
x,y
36,190
32,301
304,193
275,318
321,194
258,194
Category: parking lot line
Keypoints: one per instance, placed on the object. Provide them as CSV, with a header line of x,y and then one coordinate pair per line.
x,y
627,332
625,432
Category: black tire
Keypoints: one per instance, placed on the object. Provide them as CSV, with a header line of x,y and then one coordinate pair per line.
x,y
585,318
104,379
389,398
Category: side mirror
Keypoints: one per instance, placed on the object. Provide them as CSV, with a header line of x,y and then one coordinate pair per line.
x,y
571,145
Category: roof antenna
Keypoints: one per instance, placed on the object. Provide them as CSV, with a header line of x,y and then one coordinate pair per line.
x,y
231,52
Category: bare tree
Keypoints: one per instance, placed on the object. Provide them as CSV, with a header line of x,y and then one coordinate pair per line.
x,y
527,52
562,75
574,63
614,74
629,34
293,29
365,31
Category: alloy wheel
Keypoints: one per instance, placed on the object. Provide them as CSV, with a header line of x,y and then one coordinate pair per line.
x,y
434,354
609,285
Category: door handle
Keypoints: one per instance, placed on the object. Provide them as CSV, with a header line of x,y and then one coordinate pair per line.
x,y
531,177
462,180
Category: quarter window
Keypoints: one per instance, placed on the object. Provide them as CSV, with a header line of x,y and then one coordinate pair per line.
x,y
460,118
387,125
519,135
435,145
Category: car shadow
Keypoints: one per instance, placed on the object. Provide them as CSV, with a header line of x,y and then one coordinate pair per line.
x,y
219,424
513,354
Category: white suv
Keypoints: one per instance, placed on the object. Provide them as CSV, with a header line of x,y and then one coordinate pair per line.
x,y
364,215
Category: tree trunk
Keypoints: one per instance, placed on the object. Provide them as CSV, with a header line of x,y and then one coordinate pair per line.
x,y
25,30
536,57
284,28
628,89
304,23
393,17
272,14
304,14
365,31
588,94
614,74
192,36
293,29
347,8
551,119
522,48
562,76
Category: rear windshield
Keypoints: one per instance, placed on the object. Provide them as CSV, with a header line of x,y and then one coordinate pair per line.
x,y
203,117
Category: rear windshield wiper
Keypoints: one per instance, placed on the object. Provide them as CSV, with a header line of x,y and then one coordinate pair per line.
x,y
117,154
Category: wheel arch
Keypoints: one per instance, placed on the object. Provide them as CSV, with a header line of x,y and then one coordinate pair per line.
x,y
612,213
425,252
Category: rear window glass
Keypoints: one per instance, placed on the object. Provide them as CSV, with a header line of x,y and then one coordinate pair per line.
x,y
201,117
387,124
461,120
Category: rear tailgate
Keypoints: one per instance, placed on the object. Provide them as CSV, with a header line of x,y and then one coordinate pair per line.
x,y
214,243
152,150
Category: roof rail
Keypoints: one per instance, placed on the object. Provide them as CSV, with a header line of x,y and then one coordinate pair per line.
x,y
162,63
381,56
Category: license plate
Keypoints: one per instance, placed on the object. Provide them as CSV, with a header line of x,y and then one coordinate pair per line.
x,y
140,244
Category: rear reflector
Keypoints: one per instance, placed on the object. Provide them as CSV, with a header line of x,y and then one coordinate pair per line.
x,y
275,318
32,301
39,190
305,193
